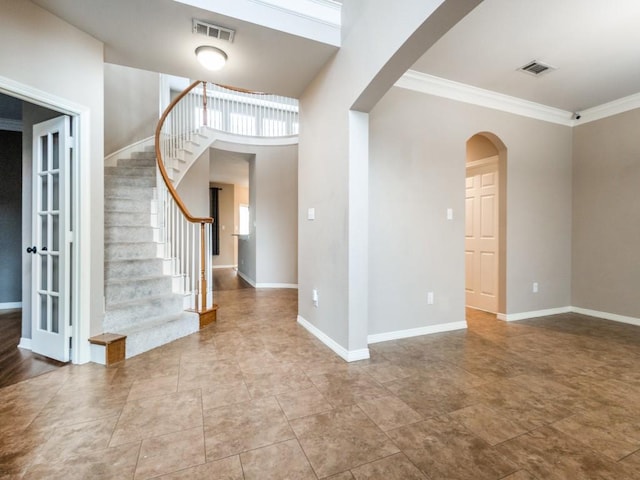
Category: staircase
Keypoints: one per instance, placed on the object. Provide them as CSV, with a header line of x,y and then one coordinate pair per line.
x,y
140,302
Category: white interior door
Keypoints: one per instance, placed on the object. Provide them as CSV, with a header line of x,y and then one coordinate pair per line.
x,y
51,324
481,236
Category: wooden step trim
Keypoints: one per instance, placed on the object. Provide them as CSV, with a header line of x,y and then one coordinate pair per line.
x,y
115,346
208,316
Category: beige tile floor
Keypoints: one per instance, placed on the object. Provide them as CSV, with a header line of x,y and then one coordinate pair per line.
x,y
256,397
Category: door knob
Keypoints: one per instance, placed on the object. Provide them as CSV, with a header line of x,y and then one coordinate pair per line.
x,y
32,249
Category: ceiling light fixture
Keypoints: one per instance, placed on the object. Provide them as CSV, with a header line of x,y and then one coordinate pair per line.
x,y
211,58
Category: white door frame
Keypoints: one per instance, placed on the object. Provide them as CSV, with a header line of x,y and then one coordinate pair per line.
x,y
81,258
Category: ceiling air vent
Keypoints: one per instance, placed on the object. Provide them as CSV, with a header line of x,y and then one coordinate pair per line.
x,y
213,31
536,68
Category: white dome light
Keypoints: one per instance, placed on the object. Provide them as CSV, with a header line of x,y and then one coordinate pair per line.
x,y
211,58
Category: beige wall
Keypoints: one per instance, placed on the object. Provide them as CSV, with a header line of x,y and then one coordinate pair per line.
x,y
417,171
606,212
333,144
276,208
129,90
241,198
194,187
270,252
226,223
56,60
247,245
268,256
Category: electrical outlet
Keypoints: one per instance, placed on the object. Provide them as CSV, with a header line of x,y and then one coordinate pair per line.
x,y
534,287
430,298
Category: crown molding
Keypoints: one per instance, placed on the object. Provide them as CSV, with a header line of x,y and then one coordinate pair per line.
x,y
440,87
609,109
424,83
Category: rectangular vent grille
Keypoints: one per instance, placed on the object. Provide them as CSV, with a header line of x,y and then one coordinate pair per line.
x,y
213,31
536,68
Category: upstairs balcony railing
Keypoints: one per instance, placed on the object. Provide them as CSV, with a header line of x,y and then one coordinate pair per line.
x,y
199,108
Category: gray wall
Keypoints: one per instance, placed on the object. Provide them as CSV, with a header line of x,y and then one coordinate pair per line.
x,y
606,215
417,171
129,90
10,217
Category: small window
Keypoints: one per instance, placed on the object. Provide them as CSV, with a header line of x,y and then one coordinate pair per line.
x,y
244,220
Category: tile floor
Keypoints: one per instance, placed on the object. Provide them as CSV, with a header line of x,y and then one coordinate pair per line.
x,y
256,397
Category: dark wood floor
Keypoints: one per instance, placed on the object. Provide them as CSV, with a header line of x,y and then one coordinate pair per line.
x,y
228,279
17,364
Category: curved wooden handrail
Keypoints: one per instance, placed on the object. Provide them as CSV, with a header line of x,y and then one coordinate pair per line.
x,y
240,90
163,171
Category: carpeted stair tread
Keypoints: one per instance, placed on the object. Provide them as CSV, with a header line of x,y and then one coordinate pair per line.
x,y
149,335
130,171
139,298
132,268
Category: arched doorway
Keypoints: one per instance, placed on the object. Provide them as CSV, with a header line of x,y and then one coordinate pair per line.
x,y
485,223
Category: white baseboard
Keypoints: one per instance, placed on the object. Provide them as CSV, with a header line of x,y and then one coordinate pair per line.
x,y
215,267
25,343
10,305
415,332
607,316
277,285
514,317
266,285
348,355
247,279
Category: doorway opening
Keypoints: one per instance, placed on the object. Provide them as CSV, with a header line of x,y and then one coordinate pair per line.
x,y
37,106
229,174
19,256
485,223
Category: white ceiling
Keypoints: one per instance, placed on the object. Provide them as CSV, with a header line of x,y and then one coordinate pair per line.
x,y
156,35
595,45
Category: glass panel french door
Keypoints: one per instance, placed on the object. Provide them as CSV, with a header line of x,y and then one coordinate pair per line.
x,y
51,329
